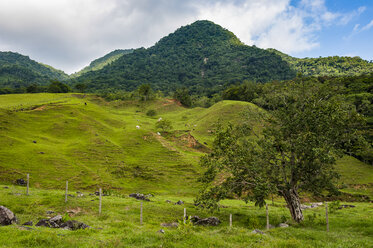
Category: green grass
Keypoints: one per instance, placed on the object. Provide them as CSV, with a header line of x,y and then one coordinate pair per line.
x,y
118,225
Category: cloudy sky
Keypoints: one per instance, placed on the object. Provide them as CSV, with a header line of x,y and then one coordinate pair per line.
x,y
68,34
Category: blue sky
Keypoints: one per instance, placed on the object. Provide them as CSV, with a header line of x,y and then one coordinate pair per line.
x,y
354,38
69,34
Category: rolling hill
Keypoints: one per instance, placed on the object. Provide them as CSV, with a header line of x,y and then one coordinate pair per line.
x,y
17,71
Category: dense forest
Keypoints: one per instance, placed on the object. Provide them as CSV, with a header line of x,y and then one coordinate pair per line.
x,y
202,56
18,71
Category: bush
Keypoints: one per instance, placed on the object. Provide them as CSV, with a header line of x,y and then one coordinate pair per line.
x,y
164,125
151,113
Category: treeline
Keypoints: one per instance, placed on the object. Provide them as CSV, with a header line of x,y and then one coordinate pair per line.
x,y
53,87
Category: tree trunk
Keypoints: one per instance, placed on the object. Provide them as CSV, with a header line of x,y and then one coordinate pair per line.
x,y
292,199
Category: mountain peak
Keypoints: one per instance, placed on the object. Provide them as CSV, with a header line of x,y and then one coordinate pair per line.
x,y
203,32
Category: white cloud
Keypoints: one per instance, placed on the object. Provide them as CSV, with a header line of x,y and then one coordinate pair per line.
x,y
68,34
368,26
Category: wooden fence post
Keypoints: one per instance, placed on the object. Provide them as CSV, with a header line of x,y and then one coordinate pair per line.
x,y
99,206
267,216
230,220
184,219
141,214
28,184
327,217
67,188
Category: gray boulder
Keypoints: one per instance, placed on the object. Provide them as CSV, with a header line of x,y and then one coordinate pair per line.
x,y
257,231
7,217
73,225
139,196
283,225
180,202
210,221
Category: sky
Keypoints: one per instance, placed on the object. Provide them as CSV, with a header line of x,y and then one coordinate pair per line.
x,y
69,34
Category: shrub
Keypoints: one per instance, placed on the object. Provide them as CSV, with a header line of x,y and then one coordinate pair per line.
x,y
151,113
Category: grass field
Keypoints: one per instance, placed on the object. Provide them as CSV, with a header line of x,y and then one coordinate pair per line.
x,y
119,226
93,143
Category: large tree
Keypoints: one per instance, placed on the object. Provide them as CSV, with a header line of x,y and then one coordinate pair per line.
x,y
303,133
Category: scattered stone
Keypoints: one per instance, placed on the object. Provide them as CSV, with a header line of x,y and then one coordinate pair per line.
x,y
346,206
7,217
5,187
257,231
28,223
50,212
180,202
57,222
211,221
316,204
41,152
161,231
73,225
34,141
271,226
21,182
79,194
139,196
172,224
283,225
168,201
25,228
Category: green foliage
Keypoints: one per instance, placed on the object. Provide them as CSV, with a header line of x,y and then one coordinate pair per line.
x,y
58,87
145,91
151,112
328,66
182,95
164,125
18,71
305,132
100,63
333,206
202,56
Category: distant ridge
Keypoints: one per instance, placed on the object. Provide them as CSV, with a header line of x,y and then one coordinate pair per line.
x,y
17,71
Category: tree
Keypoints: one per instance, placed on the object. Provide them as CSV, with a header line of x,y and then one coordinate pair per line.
x,y
58,87
302,137
182,95
145,90
81,87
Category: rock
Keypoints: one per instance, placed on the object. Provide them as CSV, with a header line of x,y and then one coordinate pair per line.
x,y
50,212
346,206
7,217
161,231
17,194
41,152
257,231
25,228
5,187
283,225
316,204
271,226
57,222
303,207
139,196
28,223
180,202
21,182
43,222
173,224
168,201
34,141
211,221
73,225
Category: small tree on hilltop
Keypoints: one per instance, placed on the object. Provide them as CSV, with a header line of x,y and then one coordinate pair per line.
x,y
145,91
300,141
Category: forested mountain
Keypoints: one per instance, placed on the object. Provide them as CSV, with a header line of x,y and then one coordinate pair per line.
x,y
17,71
199,56
328,66
99,63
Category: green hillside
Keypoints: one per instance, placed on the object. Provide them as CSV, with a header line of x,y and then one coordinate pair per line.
x,y
201,56
328,66
99,63
56,137
18,71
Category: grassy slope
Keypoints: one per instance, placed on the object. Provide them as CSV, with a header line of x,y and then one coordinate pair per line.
x,y
120,223
98,143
